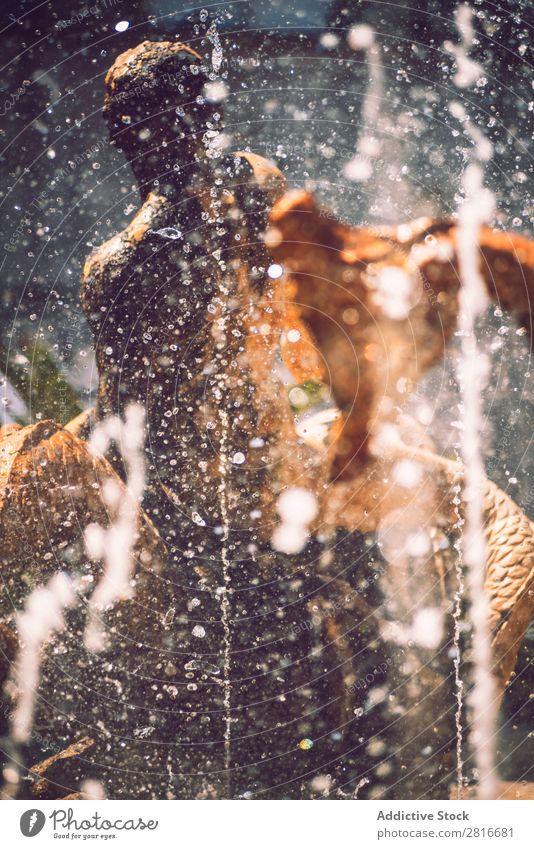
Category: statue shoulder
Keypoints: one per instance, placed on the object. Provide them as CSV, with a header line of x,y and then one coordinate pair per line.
x,y
106,266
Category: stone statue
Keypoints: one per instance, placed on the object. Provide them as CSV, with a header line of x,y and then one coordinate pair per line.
x,y
253,658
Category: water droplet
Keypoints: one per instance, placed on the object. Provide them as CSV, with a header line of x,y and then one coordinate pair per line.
x,y
168,233
275,271
201,666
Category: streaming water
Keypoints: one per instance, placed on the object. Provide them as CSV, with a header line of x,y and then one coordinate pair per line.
x,y
457,617
223,592
475,211
115,543
43,615
472,371
360,167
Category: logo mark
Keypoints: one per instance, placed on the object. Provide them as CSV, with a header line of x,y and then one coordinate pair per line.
x,y
32,822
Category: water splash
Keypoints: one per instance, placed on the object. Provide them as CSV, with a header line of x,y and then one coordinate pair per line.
x,y
12,407
43,613
297,508
224,593
168,233
468,71
363,782
360,167
221,392
472,372
217,54
114,544
42,616
92,790
457,618
475,211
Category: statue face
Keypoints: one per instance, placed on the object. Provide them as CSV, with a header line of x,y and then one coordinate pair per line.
x,y
156,111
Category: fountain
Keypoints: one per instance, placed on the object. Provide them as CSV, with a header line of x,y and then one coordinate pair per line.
x,y
281,623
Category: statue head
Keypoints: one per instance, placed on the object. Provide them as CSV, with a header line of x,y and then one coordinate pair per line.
x,y
157,112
